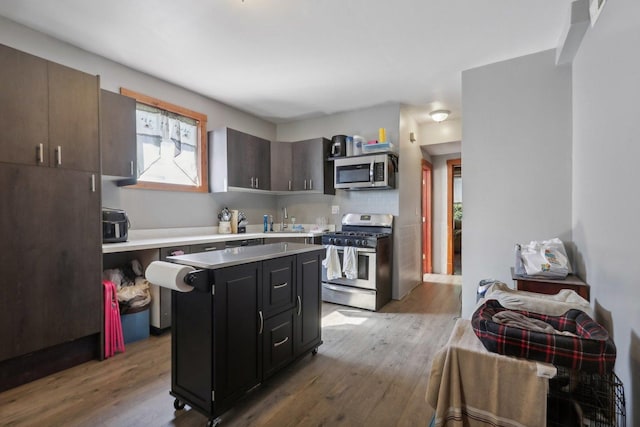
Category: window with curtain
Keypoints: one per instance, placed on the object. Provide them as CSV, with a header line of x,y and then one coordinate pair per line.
x,y
171,145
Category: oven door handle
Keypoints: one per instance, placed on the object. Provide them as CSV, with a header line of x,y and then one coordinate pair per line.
x,y
359,250
341,289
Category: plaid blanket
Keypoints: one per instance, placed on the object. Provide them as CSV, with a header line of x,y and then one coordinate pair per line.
x,y
591,350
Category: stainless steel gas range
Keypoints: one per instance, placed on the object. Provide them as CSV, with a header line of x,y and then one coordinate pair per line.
x,y
366,245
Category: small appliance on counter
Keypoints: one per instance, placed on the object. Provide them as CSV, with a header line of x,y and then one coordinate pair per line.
x,y
338,146
115,225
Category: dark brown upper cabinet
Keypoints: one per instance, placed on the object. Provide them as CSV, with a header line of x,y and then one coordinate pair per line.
x,y
238,160
118,134
48,113
24,108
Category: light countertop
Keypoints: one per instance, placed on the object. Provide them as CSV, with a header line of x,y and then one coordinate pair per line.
x,y
242,255
161,238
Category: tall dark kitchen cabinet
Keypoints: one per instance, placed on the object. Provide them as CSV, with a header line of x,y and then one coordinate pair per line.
x,y
50,293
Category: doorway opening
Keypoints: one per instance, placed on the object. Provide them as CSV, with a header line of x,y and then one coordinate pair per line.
x,y
454,216
427,214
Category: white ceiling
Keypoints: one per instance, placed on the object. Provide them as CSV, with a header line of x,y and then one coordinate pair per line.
x,y
288,59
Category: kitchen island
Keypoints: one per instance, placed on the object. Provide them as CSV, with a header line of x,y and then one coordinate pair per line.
x,y
253,311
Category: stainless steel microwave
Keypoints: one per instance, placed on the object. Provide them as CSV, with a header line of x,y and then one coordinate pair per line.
x,y
368,172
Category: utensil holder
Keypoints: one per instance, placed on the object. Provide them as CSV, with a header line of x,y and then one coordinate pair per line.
x,y
224,227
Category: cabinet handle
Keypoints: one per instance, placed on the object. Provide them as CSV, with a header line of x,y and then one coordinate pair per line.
x,y
131,166
212,248
299,305
289,185
261,322
279,343
59,155
257,183
40,150
282,285
93,183
252,182
310,184
305,184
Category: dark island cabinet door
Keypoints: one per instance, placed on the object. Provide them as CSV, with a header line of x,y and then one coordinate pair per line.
x,y
278,342
50,270
309,309
238,328
73,119
24,122
118,134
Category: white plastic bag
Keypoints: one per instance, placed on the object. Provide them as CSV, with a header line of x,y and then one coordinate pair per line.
x,y
544,259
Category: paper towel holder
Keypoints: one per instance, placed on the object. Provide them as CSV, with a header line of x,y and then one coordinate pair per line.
x,y
198,279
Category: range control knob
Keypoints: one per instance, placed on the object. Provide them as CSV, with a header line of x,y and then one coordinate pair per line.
x,y
348,242
338,242
358,243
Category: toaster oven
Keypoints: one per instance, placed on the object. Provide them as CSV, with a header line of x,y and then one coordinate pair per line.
x,y
115,225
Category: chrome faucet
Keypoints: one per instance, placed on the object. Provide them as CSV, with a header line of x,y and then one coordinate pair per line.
x,y
284,218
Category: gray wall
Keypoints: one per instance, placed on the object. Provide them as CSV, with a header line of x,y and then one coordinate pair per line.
x,y
148,208
517,163
606,177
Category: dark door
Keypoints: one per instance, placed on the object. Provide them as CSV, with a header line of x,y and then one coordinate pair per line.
x,y
261,160
24,123
50,290
117,134
309,309
73,119
238,325
237,169
192,347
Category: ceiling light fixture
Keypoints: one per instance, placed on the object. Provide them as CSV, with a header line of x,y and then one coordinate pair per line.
x,y
439,115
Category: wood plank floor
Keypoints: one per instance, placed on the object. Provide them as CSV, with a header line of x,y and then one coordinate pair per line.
x,y
372,370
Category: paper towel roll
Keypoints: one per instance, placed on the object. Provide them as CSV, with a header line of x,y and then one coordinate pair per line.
x,y
169,275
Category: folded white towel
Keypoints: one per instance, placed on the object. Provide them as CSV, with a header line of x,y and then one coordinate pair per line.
x,y
332,263
350,262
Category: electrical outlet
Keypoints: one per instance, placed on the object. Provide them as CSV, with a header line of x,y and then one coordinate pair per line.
x,y
335,209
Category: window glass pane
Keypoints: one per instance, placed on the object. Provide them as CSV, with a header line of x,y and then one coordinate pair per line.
x,y
167,147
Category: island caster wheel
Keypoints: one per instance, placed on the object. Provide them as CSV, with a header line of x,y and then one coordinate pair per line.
x,y
314,351
177,405
214,422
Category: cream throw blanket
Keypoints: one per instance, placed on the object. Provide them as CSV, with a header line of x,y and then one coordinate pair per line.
x,y
551,305
472,387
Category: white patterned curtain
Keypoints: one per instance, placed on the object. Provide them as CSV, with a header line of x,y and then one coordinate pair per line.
x,y
167,146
